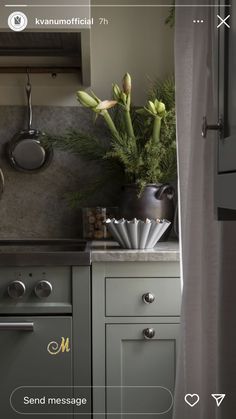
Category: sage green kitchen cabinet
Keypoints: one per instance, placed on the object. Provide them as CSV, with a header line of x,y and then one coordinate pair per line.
x,y
134,343
141,373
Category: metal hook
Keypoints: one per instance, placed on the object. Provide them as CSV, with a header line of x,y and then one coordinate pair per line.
x,y
28,92
28,76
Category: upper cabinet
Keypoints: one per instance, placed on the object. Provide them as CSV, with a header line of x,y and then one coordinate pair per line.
x,y
46,52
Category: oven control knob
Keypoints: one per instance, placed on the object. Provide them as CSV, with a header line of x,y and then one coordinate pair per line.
x,y
16,289
43,289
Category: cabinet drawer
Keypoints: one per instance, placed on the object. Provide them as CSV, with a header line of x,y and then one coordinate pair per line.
x,y
126,296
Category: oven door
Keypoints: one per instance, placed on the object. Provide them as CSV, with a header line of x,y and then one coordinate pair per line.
x,y
35,363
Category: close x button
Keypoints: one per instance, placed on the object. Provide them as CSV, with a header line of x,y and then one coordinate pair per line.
x,y
223,21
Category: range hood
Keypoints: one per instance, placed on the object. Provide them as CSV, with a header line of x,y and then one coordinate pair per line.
x,y
46,52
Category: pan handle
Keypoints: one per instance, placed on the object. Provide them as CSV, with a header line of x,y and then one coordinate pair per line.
x,y
29,102
2,182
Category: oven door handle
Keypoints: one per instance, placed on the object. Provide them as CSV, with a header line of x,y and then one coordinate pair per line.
x,y
17,326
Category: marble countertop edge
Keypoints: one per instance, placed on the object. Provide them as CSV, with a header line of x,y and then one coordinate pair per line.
x,y
107,251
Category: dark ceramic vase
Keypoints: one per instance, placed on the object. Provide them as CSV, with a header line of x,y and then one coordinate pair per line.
x,y
156,201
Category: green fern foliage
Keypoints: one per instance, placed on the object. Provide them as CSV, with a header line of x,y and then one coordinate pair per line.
x,y
85,145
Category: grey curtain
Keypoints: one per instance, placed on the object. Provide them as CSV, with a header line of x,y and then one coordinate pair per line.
x,y
207,350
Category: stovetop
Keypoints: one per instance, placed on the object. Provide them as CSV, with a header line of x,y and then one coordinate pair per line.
x,y
35,252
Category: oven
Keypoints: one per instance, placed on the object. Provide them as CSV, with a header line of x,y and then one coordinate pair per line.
x,y
45,337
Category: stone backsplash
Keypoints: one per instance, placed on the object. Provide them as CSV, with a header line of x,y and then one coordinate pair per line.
x,y
34,205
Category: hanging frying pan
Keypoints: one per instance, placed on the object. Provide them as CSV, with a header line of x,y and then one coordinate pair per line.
x,y
26,151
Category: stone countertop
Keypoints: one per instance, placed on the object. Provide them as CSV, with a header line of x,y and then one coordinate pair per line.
x,y
109,251
45,252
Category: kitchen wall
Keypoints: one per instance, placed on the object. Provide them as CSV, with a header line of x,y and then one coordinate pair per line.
x,y
136,41
35,205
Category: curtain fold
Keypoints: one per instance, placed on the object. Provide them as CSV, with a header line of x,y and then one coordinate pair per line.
x,y
197,370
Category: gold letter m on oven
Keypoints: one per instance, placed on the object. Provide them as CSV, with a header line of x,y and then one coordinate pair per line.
x,y
54,348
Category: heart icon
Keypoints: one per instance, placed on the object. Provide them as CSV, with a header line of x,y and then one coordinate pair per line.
x,y
192,399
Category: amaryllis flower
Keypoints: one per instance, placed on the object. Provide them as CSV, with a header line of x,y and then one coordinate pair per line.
x,y
106,104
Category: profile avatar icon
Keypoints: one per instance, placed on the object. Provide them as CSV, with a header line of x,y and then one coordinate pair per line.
x,y
17,21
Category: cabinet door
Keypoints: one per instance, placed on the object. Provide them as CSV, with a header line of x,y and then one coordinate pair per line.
x,y
35,358
140,375
226,170
227,86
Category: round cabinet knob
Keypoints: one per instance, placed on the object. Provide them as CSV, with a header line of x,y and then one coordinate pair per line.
x,y
149,333
148,298
43,289
16,289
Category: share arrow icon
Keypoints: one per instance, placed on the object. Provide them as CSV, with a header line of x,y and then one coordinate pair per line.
x,y
218,398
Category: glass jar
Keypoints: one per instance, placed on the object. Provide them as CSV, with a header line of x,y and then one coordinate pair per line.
x,y
93,222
